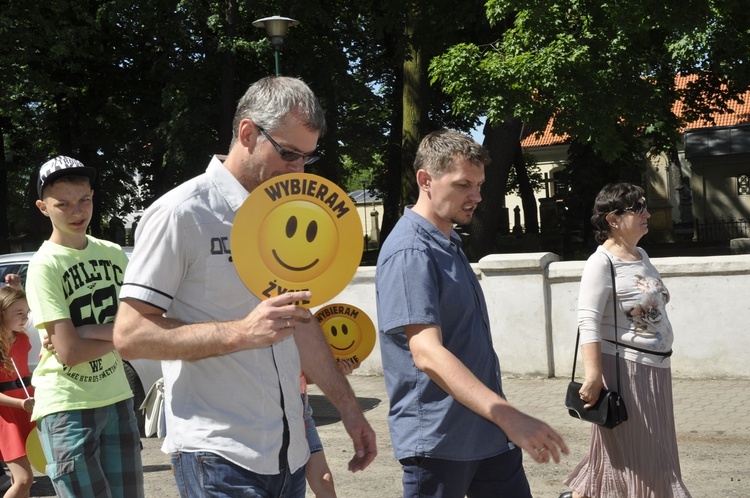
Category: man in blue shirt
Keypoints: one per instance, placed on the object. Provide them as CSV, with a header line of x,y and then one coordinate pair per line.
x,y
451,427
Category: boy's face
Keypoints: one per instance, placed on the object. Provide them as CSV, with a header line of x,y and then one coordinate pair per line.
x,y
69,205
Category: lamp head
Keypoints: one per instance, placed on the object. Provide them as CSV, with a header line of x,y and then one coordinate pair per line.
x,y
276,28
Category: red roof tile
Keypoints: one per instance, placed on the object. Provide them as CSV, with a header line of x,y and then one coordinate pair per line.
x,y
740,114
532,139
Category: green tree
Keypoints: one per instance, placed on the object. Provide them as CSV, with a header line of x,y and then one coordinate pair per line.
x,y
601,68
604,72
147,89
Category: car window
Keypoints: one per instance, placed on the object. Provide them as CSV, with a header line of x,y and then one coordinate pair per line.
x,y
15,267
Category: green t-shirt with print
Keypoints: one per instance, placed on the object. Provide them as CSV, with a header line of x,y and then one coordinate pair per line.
x,y
82,285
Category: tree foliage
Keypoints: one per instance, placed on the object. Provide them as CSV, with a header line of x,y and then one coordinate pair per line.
x,y
145,91
602,70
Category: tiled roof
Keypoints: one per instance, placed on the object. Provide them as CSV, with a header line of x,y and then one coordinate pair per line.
x,y
740,115
531,139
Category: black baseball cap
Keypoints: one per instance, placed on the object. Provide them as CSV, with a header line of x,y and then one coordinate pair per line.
x,y
60,166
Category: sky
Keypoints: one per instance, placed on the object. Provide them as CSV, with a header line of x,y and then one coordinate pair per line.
x,y
476,133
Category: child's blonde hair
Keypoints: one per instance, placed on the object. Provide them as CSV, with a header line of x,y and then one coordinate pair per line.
x,y
8,296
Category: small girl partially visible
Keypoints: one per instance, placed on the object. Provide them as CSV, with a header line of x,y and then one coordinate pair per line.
x,y
317,471
15,405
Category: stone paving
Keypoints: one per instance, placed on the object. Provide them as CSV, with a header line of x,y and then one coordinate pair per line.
x,y
713,429
711,416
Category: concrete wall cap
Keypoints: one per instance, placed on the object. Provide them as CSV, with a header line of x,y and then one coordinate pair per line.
x,y
565,271
517,262
713,265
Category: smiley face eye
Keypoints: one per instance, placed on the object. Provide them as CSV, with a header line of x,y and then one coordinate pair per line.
x,y
335,332
291,226
312,230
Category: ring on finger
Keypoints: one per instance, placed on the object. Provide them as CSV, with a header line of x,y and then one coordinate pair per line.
x,y
288,324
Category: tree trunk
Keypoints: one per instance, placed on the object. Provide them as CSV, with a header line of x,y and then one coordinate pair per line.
x,y
393,163
501,141
228,70
528,200
392,193
415,90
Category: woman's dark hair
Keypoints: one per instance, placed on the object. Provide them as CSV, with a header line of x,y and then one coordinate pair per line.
x,y
613,197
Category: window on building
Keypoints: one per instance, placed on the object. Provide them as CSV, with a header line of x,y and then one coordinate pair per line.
x,y
743,185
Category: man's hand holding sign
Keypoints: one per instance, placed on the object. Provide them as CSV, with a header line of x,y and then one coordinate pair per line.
x,y
307,233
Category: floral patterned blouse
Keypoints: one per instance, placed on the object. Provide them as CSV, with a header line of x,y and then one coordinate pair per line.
x,y
642,322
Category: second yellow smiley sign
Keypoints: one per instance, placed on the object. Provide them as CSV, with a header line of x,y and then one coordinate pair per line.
x,y
297,232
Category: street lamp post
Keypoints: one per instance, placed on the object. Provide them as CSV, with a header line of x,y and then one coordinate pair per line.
x,y
364,199
276,27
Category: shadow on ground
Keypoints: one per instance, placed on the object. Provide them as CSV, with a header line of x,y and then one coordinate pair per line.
x,y
42,487
325,413
156,468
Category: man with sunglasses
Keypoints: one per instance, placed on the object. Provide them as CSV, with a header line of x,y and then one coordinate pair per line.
x,y
232,362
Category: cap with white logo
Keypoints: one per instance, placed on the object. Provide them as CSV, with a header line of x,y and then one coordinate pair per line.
x,y
62,166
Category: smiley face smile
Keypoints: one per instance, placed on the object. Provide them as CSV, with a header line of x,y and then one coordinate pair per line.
x,y
290,267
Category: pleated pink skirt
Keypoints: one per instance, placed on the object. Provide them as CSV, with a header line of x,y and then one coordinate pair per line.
x,y
638,458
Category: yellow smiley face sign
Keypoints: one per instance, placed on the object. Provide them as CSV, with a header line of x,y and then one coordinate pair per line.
x,y
34,452
297,232
349,331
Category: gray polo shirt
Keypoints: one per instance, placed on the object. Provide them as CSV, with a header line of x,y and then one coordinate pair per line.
x,y
229,405
424,278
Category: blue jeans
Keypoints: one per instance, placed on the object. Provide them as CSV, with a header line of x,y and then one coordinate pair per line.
x,y
497,477
207,475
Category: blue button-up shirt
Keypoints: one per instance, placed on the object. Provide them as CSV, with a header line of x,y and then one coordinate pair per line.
x,y
424,278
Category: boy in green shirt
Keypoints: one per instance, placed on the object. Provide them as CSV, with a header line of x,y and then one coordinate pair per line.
x,y
84,406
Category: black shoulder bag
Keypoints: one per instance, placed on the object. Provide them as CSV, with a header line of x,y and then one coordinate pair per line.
x,y
609,410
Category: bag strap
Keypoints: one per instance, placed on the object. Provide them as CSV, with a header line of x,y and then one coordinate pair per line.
x,y
614,306
617,344
575,356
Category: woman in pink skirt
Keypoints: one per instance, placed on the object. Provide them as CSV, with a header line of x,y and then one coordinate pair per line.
x,y
639,458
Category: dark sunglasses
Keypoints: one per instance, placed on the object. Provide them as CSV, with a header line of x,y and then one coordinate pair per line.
x,y
638,207
288,155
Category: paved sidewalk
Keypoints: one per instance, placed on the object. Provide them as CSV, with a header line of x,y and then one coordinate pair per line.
x,y
712,419
713,428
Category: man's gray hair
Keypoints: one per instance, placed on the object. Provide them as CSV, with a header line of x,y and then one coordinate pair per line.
x,y
439,149
269,100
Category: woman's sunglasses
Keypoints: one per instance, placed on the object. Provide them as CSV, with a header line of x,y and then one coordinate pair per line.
x,y
638,207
